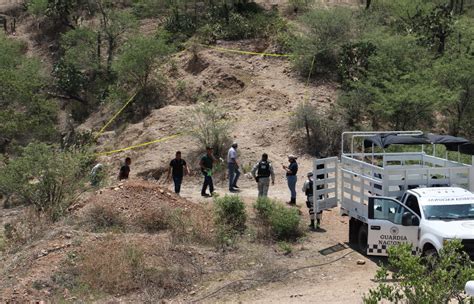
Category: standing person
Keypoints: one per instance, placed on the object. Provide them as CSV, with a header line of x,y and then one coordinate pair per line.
x,y
262,172
309,191
291,172
96,174
233,167
207,162
177,169
125,169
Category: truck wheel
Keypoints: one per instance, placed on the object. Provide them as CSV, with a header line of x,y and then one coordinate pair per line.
x,y
430,253
353,231
362,239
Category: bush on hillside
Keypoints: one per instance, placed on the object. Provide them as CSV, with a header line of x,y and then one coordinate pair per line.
x,y
322,130
45,177
264,207
230,212
418,279
285,222
325,31
211,127
103,217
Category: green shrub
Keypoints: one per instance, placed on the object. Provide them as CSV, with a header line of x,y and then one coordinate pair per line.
x,y
285,247
418,279
326,30
264,207
210,127
230,213
45,177
285,222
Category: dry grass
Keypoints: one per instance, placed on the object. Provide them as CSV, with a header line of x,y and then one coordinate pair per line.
x,y
155,220
28,227
104,216
117,267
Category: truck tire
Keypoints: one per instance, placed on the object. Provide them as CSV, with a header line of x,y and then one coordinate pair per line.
x,y
430,253
362,239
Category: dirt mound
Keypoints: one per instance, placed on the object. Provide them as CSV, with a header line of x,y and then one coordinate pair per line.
x,y
136,196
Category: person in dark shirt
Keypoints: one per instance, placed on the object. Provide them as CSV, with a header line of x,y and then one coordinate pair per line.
x,y
206,164
177,168
125,169
291,172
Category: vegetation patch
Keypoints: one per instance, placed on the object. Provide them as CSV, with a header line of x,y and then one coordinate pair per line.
x,y
104,217
417,279
284,222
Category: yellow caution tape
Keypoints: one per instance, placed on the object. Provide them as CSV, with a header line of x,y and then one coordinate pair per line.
x,y
115,116
139,145
244,52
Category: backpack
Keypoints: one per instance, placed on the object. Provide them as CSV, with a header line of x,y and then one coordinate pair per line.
x,y
263,169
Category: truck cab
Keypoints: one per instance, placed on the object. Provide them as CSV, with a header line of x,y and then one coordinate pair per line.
x,y
399,197
425,218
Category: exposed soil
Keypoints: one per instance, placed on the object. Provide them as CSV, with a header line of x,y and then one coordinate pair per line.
x,y
259,95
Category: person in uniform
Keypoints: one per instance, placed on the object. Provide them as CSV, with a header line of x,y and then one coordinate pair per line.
x,y
262,172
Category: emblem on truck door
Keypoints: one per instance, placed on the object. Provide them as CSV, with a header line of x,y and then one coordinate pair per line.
x,y
394,230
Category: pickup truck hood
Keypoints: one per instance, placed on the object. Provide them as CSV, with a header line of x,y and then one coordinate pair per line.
x,y
451,229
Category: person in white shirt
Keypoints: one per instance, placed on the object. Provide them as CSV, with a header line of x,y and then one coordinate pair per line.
x,y
233,166
262,172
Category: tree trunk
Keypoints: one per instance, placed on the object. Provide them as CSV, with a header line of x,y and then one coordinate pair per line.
x,y
308,137
367,4
99,53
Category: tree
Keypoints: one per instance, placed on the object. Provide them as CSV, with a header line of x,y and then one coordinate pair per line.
x,y
25,113
398,85
136,70
45,177
139,56
325,31
419,279
63,12
456,74
114,24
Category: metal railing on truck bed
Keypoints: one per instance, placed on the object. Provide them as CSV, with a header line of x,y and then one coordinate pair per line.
x,y
391,174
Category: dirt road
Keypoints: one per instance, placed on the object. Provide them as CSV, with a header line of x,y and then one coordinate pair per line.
x,y
342,281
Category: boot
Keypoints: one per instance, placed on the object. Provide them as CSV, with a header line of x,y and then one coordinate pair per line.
x,y
292,202
318,222
311,226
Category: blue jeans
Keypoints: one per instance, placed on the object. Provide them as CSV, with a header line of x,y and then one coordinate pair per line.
x,y
207,182
292,185
177,183
234,174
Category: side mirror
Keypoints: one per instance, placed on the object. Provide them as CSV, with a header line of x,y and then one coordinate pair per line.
x,y
415,221
407,219
469,288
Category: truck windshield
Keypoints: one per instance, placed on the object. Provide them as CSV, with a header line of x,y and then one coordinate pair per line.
x,y
449,212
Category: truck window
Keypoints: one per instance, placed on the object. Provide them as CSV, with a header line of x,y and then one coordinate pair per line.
x,y
412,203
387,209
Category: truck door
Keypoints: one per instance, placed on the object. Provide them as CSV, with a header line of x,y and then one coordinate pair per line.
x,y
390,223
325,183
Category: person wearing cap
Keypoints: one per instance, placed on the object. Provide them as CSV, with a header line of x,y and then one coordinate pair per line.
x,y
233,167
262,172
291,171
308,189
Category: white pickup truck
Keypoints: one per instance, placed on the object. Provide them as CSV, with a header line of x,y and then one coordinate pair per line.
x,y
392,198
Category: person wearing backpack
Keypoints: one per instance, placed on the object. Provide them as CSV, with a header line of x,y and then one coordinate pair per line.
x,y
308,189
262,172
